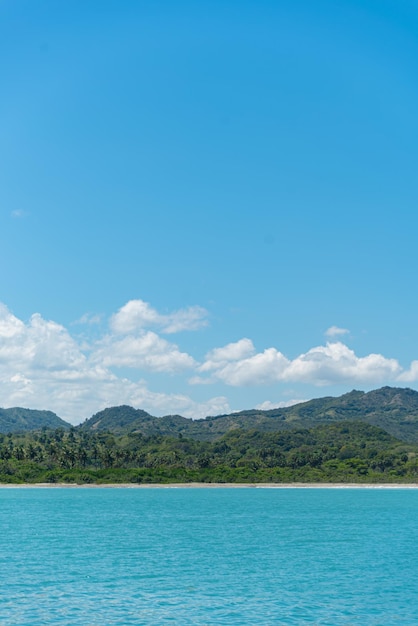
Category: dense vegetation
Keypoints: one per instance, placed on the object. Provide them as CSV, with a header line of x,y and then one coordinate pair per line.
x,y
338,452
18,419
393,409
357,437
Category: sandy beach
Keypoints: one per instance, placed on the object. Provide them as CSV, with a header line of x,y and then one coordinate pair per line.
x,y
212,486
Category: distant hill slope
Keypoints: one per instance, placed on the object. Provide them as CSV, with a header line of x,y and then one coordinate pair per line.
x,y
18,419
125,419
393,409
118,419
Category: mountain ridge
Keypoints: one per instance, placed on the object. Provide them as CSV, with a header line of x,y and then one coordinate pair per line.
x,y
394,409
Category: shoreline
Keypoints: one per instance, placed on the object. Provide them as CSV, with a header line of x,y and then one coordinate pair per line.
x,y
210,486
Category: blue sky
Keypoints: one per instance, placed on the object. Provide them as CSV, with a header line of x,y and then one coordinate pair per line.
x,y
206,206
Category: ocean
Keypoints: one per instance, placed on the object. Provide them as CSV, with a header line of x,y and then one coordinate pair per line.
x,y
208,556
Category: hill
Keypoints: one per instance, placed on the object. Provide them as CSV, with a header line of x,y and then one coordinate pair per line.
x,y
393,409
125,419
17,419
336,452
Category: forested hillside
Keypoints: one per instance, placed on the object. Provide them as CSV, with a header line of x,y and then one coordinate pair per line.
x,y
357,437
18,419
393,409
341,452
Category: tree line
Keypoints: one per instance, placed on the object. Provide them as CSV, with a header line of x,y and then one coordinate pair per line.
x,y
339,452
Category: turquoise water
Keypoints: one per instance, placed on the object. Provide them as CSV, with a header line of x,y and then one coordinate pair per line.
x,y
208,556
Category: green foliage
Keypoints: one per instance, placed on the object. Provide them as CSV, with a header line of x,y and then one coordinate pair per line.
x,y
18,419
336,452
395,410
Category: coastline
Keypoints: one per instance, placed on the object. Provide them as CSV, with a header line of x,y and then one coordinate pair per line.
x,y
210,486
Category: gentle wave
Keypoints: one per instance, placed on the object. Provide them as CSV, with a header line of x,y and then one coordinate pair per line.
x,y
208,556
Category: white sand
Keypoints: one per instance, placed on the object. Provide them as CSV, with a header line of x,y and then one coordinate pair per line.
x,y
214,486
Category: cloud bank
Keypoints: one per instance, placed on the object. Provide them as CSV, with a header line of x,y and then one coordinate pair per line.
x,y
331,364
43,365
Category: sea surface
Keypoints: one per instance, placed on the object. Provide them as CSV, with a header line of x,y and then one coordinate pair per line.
x,y
208,556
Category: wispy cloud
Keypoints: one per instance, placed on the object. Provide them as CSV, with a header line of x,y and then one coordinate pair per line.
x,y
335,331
88,319
137,314
18,214
267,405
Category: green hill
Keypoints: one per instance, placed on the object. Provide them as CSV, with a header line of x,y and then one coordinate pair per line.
x,y
117,419
125,419
393,409
18,419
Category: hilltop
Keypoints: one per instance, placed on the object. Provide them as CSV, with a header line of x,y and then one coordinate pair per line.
x,y
393,409
18,419
356,437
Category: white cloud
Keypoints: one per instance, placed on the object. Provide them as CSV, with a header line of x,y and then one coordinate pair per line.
x,y
219,357
39,344
335,331
145,351
192,318
43,366
336,363
323,365
76,397
411,375
137,314
260,369
9,324
267,405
